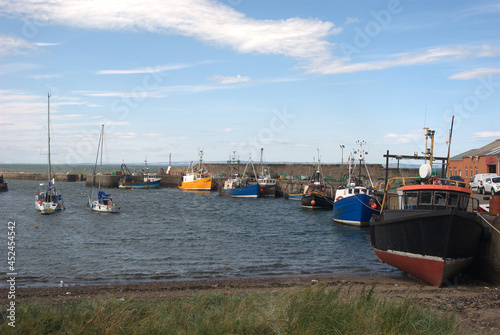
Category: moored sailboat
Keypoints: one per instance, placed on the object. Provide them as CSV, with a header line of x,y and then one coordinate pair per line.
x,y
104,202
47,200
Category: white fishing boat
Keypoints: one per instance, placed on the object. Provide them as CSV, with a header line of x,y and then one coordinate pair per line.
x,y
104,202
47,201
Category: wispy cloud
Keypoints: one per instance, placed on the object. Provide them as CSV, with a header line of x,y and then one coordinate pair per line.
x,y
148,69
413,136
225,130
475,74
305,40
439,54
230,80
484,134
16,46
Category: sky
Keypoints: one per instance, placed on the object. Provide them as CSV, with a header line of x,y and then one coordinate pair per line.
x,y
291,76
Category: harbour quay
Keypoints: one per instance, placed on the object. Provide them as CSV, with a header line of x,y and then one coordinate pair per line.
x,y
69,177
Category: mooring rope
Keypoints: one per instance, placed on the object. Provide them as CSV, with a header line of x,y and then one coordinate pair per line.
x,y
488,222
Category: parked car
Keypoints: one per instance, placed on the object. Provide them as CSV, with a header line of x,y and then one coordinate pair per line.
x,y
477,182
458,179
492,185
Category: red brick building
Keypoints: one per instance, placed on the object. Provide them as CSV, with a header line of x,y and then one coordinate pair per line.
x,y
483,160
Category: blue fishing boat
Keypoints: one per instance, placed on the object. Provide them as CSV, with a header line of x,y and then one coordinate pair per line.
x,y
236,189
238,186
129,180
355,203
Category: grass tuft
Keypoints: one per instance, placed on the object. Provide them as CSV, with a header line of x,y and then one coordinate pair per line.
x,y
313,310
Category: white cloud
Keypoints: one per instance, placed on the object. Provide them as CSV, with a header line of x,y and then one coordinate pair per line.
x,y
230,80
226,130
487,134
206,20
156,69
16,46
411,137
304,40
350,20
439,54
475,74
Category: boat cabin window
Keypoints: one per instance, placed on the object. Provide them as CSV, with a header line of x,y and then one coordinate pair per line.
x,y
350,191
435,200
356,191
425,198
440,198
411,200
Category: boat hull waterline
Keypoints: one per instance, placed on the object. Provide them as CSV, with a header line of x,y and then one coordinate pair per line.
x,y
316,201
202,184
428,244
249,191
354,210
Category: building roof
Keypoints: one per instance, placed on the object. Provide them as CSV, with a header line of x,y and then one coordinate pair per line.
x,y
492,149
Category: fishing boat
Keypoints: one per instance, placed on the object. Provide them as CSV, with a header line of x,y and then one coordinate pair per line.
x,y
237,186
355,203
104,202
47,201
315,194
266,182
428,226
3,185
133,181
197,178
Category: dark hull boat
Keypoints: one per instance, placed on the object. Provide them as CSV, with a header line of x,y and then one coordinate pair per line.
x,y
428,226
432,245
316,201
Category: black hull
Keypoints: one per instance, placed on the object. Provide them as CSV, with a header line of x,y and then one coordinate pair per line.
x,y
432,245
316,201
267,191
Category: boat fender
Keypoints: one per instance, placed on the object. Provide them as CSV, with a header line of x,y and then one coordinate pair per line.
x,y
339,197
313,202
373,204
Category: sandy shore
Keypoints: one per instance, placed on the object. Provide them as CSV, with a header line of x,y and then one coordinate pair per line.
x,y
476,304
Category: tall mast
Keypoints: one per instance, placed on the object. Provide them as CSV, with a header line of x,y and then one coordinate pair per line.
x,y
102,145
48,131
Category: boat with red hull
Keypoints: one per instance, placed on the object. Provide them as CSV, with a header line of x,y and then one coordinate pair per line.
x,y
428,227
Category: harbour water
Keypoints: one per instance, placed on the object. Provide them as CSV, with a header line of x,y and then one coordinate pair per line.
x,y
166,234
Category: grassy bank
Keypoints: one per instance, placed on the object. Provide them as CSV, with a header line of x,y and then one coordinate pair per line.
x,y
312,310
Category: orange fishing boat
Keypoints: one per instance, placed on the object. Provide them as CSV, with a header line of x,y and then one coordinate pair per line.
x,y
197,179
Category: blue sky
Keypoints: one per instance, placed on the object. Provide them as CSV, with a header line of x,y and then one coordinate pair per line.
x,y
237,75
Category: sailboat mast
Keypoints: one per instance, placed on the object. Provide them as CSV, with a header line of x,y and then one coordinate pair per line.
x,y
48,131
102,145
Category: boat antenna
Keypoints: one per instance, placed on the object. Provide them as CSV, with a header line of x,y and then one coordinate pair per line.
x,y
449,145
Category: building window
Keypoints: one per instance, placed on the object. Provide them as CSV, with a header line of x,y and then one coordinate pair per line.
x,y
475,173
455,172
451,171
460,173
466,172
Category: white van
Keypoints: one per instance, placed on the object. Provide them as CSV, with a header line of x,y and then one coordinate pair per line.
x,y
477,182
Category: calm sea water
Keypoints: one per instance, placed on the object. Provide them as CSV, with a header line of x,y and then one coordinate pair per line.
x,y
166,234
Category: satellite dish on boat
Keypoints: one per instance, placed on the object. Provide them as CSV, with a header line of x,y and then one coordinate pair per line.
x,y
425,171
